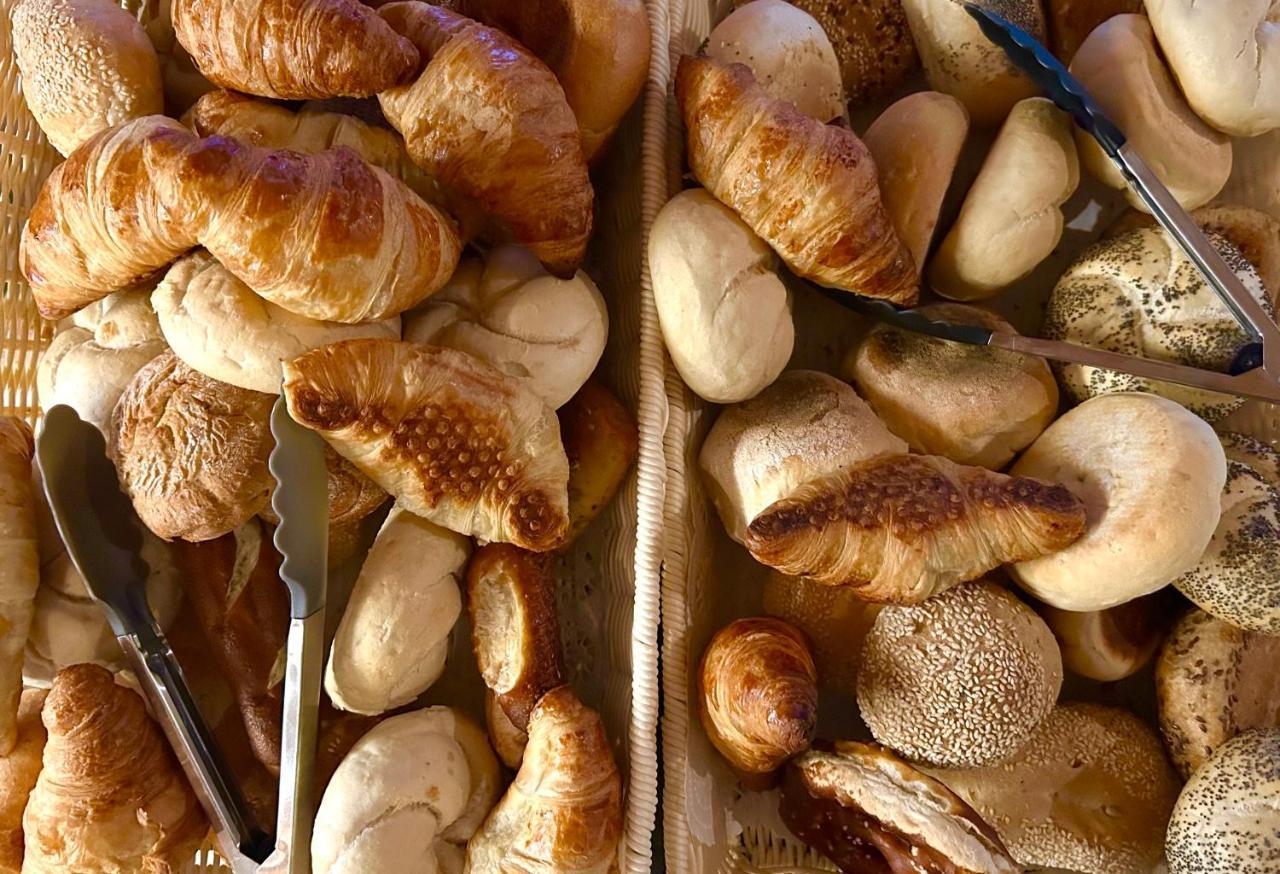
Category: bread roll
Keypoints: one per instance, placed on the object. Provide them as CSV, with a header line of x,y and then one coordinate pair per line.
x,y
191,451
971,404
916,143
601,442
1011,219
1140,295
18,772
219,327
1227,64
507,740
89,363
1070,21
787,51
19,567
352,497
394,635
1145,527
507,310
1120,66
86,66
410,793
725,313
959,60
1111,644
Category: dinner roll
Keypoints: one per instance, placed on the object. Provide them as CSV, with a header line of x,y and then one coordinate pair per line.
x,y
89,363
507,310
788,52
725,314
1227,60
1090,792
959,60
1238,577
1150,475
1120,66
916,143
1070,21
218,326
973,404
960,680
1214,681
1139,294
1111,644
804,426
1011,218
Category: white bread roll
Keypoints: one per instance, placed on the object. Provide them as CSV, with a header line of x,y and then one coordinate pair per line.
x,y
394,634
1011,219
510,312
1120,66
1138,294
218,326
959,60
804,426
916,143
1226,58
725,314
407,797
789,53
88,365
1150,474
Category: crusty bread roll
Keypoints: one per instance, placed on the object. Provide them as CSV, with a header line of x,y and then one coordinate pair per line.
x,y
1226,61
18,772
86,65
191,451
959,60
601,442
352,496
394,635
972,404
1145,527
807,424
218,326
1111,644
412,791
787,51
1139,294
1121,67
507,310
1011,219
1071,21
916,143
725,313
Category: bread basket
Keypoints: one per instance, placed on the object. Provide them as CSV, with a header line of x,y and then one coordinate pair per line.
x,y
610,594
710,823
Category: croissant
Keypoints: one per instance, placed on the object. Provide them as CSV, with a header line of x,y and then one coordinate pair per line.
x,y
563,812
97,226
325,236
807,188
111,796
453,439
293,49
19,568
900,528
18,773
759,693
489,121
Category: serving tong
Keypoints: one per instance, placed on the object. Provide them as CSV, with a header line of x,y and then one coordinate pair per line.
x,y
1255,370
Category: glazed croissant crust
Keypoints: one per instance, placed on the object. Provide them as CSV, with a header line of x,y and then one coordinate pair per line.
x,y
808,189
901,528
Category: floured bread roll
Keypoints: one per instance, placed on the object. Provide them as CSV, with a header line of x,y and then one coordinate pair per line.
x,y
89,363
1145,526
507,310
452,438
218,326
1139,294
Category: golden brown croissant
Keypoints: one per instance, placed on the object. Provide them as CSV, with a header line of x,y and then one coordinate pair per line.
x,y
18,773
900,528
293,49
111,796
19,567
488,119
809,189
759,694
563,813
97,226
325,236
452,438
